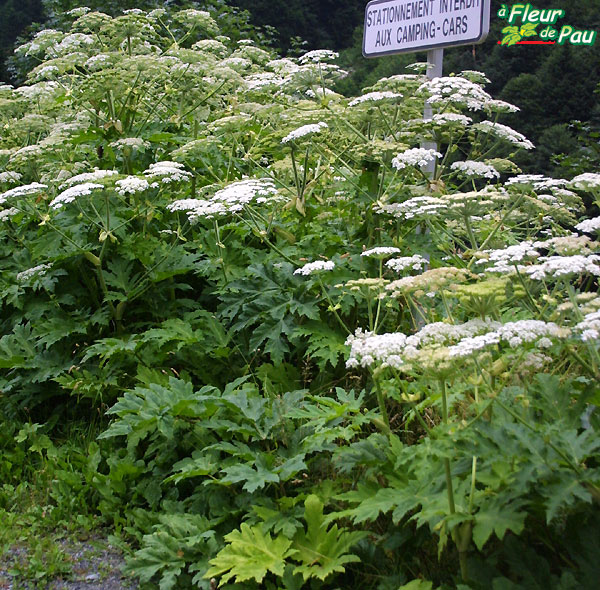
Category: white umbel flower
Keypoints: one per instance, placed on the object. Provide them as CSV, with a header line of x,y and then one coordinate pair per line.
x,y
589,226
198,209
514,334
8,213
167,172
415,157
237,195
474,169
22,191
39,270
589,328
398,350
505,259
415,207
563,266
68,196
416,262
131,185
316,266
94,176
318,56
231,199
374,97
455,91
135,143
506,133
304,131
10,177
381,251
586,181
450,119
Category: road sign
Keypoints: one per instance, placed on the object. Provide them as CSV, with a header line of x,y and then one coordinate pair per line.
x,y
402,26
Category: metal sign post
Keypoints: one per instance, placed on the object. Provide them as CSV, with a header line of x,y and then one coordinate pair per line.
x,y
435,59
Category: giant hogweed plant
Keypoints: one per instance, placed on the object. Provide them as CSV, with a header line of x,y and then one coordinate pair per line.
x,y
205,231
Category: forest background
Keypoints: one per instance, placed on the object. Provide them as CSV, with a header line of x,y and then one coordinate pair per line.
x,y
554,86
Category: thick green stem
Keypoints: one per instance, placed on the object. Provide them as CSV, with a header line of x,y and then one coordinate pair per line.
x,y
382,408
470,232
473,482
447,461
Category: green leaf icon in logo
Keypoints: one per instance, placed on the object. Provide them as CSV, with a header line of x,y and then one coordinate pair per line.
x,y
528,29
511,35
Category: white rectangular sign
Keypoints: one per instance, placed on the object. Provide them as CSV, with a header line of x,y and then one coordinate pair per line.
x,y
398,26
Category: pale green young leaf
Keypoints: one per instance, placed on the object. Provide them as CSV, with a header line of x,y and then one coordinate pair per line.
x,y
249,555
322,551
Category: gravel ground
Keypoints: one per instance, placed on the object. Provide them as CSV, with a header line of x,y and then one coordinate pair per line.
x,y
94,565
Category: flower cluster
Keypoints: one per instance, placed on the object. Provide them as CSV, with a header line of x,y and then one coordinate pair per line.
x,y
435,279
10,177
231,199
244,192
69,195
589,327
304,131
587,181
40,270
415,262
415,157
564,266
474,169
401,351
198,209
167,172
88,177
515,334
381,251
316,266
22,191
131,185
374,97
8,213
505,259
318,56
455,91
415,207
451,118
506,133
135,143
589,226
501,106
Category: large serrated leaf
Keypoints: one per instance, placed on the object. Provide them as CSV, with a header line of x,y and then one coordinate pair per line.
x,y
249,555
494,518
322,550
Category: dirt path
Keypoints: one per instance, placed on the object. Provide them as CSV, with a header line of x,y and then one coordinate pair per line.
x,y
75,565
